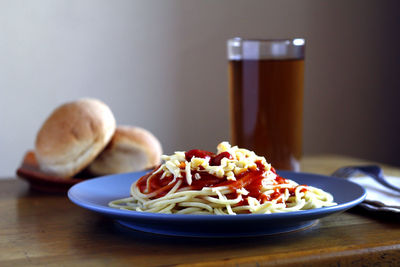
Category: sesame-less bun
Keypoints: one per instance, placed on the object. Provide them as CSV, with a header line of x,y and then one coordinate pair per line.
x,y
73,135
131,149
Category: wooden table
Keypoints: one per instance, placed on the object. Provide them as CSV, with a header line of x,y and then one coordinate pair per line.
x,y
42,229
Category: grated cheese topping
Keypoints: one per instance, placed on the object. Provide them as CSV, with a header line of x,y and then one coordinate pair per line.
x,y
242,160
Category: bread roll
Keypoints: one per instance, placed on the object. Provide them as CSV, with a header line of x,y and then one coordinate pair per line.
x,y
73,135
131,149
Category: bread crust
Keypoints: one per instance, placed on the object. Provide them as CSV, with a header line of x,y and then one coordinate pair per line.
x,y
73,135
130,149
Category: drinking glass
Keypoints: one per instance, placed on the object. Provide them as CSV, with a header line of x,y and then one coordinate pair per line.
x,y
266,81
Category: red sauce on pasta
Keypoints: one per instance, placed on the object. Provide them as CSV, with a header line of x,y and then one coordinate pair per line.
x,y
251,180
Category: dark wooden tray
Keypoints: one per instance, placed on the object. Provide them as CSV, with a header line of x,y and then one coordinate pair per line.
x,y
44,182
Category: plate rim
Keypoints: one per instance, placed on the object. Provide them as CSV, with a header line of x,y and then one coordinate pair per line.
x,y
131,215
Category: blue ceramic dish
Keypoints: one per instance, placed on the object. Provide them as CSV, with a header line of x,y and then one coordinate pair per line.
x,y
95,194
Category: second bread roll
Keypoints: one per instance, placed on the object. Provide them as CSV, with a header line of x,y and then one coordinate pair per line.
x,y
130,149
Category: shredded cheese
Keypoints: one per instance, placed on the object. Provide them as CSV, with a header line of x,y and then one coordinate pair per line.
x,y
242,160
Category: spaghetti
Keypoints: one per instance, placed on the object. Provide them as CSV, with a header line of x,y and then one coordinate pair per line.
x,y
233,181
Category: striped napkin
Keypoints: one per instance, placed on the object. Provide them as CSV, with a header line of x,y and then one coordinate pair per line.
x,y
379,197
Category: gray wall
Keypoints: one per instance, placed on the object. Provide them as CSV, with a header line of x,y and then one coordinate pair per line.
x,y
161,65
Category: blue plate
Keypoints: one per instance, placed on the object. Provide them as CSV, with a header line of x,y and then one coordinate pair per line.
x,y
95,194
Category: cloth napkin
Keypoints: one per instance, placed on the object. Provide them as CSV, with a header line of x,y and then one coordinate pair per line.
x,y
379,197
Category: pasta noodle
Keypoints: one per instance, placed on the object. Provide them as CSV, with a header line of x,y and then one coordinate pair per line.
x,y
233,181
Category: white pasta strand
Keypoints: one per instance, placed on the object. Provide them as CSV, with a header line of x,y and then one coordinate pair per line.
x,y
213,200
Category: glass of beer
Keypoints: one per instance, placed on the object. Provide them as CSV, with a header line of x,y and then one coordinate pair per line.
x,y
266,81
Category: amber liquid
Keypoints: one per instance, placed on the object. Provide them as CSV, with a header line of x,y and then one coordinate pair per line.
x,y
267,109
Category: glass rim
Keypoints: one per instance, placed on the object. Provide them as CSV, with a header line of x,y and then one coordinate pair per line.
x,y
241,48
268,40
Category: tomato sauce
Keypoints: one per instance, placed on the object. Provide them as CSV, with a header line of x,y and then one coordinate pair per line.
x,y
251,179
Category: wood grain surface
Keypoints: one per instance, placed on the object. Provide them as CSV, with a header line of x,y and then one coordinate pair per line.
x,y
46,229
